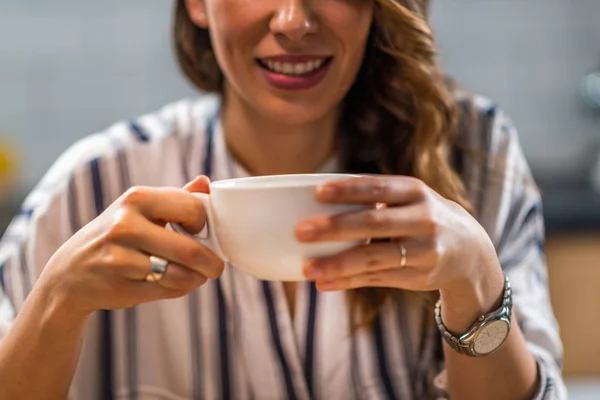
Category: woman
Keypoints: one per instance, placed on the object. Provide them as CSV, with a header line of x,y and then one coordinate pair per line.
x,y
295,86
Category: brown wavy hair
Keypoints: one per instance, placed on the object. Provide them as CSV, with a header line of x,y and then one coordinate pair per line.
x,y
400,116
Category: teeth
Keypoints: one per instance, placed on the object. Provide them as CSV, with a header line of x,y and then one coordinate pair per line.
x,y
293,68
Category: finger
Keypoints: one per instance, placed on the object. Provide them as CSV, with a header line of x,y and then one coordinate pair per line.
x,y
122,262
179,278
125,269
142,291
383,223
131,264
369,258
138,233
199,184
167,204
400,278
396,190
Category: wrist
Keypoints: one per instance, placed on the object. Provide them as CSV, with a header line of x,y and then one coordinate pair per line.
x,y
466,301
56,309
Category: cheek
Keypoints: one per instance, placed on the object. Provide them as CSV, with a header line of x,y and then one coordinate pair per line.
x,y
350,25
235,25
349,22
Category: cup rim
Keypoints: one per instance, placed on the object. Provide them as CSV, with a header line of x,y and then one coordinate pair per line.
x,y
246,182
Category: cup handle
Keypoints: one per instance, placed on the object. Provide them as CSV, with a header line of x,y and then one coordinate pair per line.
x,y
207,237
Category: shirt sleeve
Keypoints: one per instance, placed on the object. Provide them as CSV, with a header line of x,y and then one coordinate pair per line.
x,y
53,211
60,204
34,234
84,180
519,237
508,204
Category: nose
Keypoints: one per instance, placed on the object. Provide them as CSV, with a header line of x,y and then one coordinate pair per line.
x,y
294,19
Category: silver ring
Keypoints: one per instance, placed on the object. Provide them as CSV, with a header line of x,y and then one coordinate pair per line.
x,y
158,267
402,256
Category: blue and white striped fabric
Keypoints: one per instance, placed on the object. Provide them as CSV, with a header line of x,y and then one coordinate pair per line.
x,y
234,337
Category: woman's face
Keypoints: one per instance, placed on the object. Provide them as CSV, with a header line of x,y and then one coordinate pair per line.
x,y
291,60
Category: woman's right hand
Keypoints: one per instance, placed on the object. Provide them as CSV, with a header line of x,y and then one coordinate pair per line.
x,y
104,265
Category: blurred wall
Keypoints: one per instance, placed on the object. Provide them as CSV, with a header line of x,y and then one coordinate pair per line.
x,y
69,68
530,56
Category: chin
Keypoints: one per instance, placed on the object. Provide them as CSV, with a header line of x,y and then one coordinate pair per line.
x,y
294,112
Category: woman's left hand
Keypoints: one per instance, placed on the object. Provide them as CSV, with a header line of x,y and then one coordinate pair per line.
x,y
432,243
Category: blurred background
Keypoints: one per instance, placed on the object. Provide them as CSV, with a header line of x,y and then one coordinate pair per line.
x,y
70,68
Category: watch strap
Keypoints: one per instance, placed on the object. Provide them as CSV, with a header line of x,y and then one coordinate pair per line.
x,y
455,342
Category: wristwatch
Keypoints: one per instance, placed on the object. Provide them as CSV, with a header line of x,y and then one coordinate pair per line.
x,y
487,334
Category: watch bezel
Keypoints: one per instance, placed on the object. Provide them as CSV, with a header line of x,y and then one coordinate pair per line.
x,y
470,338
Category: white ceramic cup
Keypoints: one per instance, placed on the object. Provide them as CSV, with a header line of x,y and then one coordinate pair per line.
x,y
252,221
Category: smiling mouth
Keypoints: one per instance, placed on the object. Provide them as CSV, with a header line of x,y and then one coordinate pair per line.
x,y
294,68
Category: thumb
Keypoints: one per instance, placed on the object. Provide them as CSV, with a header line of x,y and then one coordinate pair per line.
x,y
199,184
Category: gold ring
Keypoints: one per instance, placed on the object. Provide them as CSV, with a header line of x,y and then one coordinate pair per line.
x,y
402,256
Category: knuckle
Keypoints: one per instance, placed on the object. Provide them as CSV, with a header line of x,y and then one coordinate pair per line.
x,y
111,256
107,262
428,221
372,258
440,249
380,187
121,226
134,196
192,254
437,253
431,227
376,220
430,279
420,189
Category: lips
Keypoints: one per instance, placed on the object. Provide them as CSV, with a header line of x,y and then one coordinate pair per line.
x,y
294,72
292,69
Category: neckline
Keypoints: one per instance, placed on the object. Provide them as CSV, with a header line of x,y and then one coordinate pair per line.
x,y
235,168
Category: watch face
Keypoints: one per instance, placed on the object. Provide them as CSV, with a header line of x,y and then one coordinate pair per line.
x,y
492,335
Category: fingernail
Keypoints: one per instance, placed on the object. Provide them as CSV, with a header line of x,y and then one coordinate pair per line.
x,y
307,231
328,192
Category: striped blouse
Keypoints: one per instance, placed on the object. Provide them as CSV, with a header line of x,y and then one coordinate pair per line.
x,y
234,338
